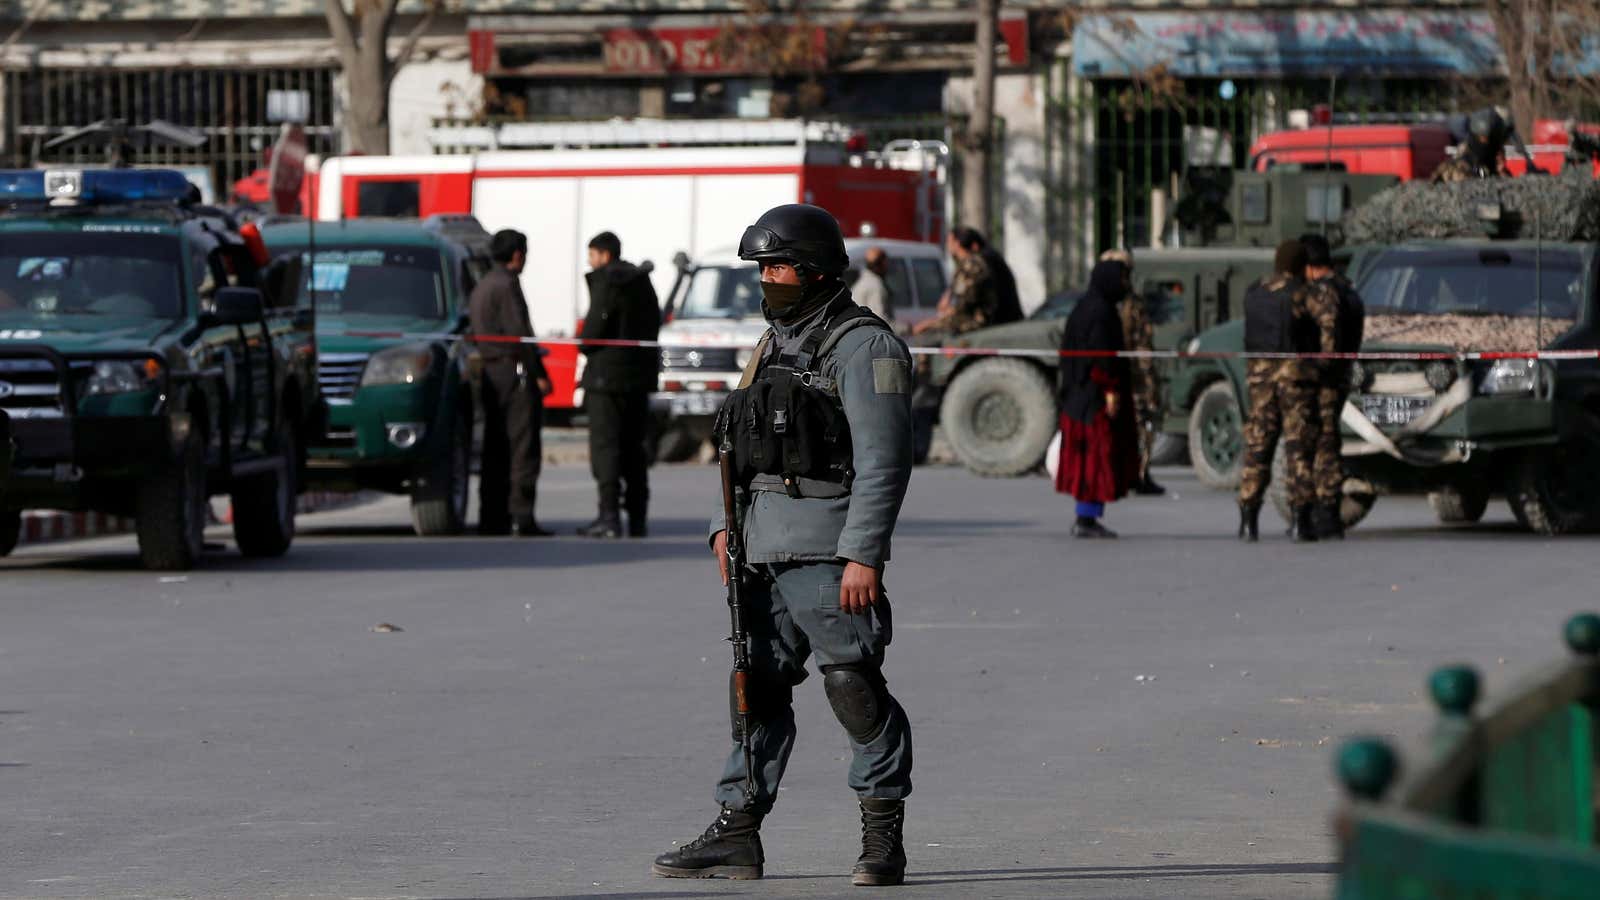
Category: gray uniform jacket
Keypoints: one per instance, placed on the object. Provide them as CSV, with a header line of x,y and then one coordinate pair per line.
x,y
872,369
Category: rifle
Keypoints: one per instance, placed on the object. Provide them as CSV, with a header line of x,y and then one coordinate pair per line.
x,y
738,638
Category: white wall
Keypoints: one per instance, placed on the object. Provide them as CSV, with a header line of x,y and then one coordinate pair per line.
x,y
1019,99
422,91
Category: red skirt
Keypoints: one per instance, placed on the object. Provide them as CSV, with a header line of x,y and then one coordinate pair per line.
x,y
1099,460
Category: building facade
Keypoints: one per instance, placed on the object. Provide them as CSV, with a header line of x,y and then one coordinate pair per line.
x,y
1103,105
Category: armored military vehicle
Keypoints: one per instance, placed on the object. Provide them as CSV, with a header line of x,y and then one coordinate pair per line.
x,y
1493,268
999,413
149,358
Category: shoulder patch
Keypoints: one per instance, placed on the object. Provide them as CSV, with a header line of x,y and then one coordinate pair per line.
x,y
891,376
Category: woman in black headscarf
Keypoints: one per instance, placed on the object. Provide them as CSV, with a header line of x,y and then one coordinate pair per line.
x,y
1099,434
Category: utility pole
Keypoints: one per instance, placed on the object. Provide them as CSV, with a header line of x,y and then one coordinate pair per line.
x,y
978,142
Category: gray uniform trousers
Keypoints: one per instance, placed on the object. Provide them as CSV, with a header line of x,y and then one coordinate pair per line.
x,y
792,612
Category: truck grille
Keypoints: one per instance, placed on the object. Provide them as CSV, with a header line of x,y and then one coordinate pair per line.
x,y
339,373
30,389
710,359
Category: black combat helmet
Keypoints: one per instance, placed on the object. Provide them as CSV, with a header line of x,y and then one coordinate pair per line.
x,y
799,233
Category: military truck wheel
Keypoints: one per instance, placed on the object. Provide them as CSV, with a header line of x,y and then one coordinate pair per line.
x,y
170,511
1358,499
264,505
999,416
1552,492
1216,437
1169,449
439,499
676,443
10,530
1459,503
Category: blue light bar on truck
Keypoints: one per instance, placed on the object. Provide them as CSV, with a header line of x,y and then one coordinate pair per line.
x,y
94,185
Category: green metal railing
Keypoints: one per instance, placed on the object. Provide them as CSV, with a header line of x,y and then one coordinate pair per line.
x,y
1501,806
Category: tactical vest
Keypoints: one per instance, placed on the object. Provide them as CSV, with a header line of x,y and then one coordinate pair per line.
x,y
785,424
1267,317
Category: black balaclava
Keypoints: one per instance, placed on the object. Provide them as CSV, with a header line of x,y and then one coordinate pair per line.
x,y
792,302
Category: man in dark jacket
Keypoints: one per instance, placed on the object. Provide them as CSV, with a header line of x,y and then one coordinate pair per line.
x,y
617,382
512,392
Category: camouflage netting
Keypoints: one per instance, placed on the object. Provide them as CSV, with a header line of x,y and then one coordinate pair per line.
x,y
1568,205
1461,332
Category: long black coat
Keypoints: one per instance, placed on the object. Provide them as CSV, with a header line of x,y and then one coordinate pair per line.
x,y
1094,325
622,306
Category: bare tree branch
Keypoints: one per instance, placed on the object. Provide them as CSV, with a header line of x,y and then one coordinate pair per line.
x,y
408,46
339,26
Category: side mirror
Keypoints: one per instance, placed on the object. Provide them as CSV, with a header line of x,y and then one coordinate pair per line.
x,y
237,306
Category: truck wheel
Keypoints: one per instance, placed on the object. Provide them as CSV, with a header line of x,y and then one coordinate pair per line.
x,y
1552,493
264,505
1169,449
1216,437
999,416
439,499
1459,503
10,530
676,443
170,511
1359,495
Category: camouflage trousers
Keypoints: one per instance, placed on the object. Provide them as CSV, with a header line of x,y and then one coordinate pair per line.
x,y
1327,473
1147,405
1280,406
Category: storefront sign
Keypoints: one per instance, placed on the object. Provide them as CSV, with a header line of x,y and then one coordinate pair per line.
x,y
1221,45
685,50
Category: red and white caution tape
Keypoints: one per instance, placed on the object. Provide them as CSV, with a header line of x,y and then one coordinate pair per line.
x,y
997,351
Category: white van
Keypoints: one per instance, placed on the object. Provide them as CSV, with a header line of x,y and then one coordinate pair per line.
x,y
713,322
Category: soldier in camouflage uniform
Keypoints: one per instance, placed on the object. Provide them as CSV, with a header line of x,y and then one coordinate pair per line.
x,y
1139,334
1282,316
1331,290
973,295
1482,154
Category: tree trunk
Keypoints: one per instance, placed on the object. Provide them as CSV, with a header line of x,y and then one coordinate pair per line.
x,y
975,158
366,120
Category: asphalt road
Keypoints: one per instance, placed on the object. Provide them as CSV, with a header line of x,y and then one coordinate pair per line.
x,y
1151,717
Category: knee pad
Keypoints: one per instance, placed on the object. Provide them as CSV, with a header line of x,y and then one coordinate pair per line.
x,y
860,700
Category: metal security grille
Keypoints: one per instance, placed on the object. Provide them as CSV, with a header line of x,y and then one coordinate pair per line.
x,y
1111,145
229,106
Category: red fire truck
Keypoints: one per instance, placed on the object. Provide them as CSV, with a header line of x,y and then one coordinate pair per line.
x,y
664,187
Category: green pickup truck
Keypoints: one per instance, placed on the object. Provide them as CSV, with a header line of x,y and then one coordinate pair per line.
x,y
400,406
148,360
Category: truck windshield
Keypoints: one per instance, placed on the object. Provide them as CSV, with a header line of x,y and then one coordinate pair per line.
x,y
722,292
53,275
1484,280
376,281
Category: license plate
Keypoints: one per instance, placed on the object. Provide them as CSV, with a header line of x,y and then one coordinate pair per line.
x,y
699,404
1391,410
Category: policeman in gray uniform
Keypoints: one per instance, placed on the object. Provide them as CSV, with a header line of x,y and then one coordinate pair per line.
x,y
821,434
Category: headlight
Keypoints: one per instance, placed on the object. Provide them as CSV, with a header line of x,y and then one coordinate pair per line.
x,y
1193,346
1510,376
741,358
399,365
116,377
1440,375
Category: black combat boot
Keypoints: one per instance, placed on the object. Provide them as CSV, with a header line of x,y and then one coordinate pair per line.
x,y
528,526
1330,525
638,522
883,848
606,525
1147,487
731,848
1305,528
1250,522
